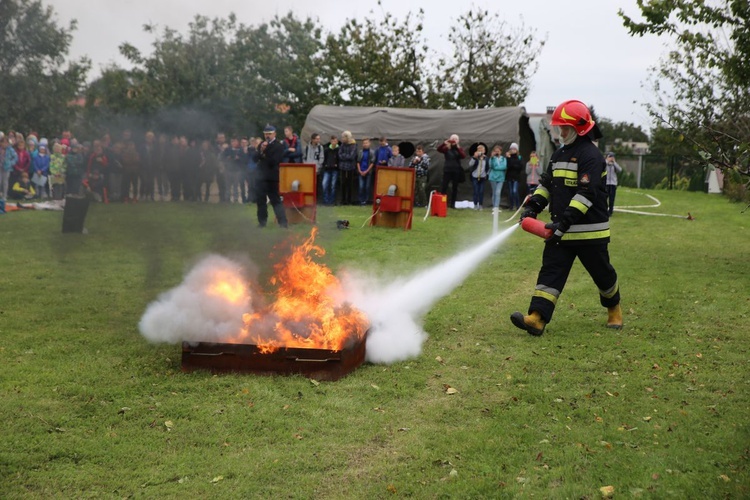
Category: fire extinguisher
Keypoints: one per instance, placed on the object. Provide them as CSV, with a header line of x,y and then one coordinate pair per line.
x,y
536,226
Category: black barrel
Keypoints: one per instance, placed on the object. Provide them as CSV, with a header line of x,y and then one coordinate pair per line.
x,y
74,214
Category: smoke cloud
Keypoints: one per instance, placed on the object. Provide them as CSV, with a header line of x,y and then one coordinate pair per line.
x,y
190,312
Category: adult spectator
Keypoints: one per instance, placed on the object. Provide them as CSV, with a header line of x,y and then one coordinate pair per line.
x,y
191,171
220,144
235,162
574,189
330,170
513,174
479,168
365,168
270,153
498,166
131,166
347,167
162,179
293,148
113,175
252,171
453,172
149,166
206,170
172,166
421,164
612,170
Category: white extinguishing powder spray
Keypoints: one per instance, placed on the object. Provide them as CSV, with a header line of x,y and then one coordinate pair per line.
x,y
191,312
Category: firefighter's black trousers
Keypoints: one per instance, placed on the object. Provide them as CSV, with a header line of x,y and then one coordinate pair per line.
x,y
557,261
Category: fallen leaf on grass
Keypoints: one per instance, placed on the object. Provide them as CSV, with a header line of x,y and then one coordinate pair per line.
x,y
699,355
647,419
725,478
449,389
217,479
123,410
607,491
375,387
168,424
439,359
314,382
403,429
391,489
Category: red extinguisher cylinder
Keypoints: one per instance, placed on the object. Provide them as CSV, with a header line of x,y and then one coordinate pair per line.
x,y
536,226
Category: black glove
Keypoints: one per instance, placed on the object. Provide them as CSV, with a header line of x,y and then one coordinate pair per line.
x,y
528,212
557,232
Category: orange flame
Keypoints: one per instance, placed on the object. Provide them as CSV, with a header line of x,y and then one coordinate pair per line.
x,y
308,311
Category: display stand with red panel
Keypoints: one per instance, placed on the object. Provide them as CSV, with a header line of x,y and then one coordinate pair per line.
x,y
298,187
393,202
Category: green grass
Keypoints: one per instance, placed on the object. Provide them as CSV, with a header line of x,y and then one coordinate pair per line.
x,y
659,410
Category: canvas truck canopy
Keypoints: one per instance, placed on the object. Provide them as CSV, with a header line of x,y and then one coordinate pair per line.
x,y
408,127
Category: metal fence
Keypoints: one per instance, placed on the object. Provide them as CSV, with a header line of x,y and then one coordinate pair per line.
x,y
662,172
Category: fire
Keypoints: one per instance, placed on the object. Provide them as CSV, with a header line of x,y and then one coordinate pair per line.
x,y
309,310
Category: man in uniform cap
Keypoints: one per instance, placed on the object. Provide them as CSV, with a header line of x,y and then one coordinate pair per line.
x,y
268,156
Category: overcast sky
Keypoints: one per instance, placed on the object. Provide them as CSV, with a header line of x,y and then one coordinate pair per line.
x,y
588,55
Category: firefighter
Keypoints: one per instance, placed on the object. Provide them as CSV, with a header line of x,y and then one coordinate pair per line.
x,y
574,187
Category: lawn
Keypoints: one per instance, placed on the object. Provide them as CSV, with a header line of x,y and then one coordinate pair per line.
x,y
658,410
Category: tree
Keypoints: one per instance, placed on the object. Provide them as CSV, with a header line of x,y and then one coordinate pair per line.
x,y
378,62
38,83
221,75
491,64
707,74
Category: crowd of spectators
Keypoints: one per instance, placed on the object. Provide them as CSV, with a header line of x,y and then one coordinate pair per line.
x,y
147,166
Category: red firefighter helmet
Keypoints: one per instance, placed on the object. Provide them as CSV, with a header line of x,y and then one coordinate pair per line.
x,y
573,113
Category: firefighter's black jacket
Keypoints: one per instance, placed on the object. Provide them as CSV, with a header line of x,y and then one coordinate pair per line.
x,y
574,186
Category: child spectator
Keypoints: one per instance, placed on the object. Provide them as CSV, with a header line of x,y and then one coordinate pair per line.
x,y
384,152
40,166
22,189
365,167
57,171
292,146
421,163
9,158
533,171
23,162
396,160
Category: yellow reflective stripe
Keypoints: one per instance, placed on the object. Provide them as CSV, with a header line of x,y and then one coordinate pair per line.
x,y
546,296
566,174
579,206
608,294
542,191
592,235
